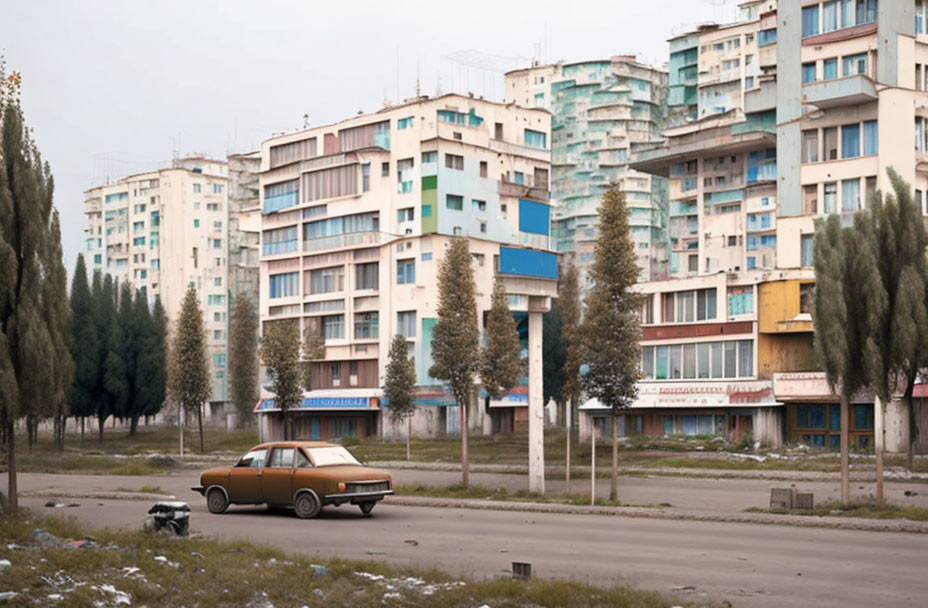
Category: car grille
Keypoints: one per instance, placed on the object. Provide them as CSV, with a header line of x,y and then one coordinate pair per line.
x,y
367,486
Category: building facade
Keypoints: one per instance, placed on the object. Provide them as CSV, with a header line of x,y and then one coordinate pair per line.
x,y
356,217
244,225
600,109
162,231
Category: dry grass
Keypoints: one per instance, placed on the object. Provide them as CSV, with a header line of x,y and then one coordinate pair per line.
x,y
479,492
206,573
864,508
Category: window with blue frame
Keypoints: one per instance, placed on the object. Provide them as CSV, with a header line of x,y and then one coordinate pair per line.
x,y
535,139
866,11
216,300
219,360
810,21
406,272
518,178
217,188
138,241
404,123
850,195
808,72
831,69
850,141
762,165
854,64
281,195
454,201
451,117
283,285
830,16
752,262
870,137
98,259
765,37
806,244
280,240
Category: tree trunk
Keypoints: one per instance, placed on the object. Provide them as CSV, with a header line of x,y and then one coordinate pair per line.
x,y
613,489
83,419
200,424
593,463
408,433
133,425
102,421
180,424
878,437
568,405
28,434
465,477
12,497
845,473
913,432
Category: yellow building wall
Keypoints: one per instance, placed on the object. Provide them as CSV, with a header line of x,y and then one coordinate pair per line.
x,y
785,353
777,301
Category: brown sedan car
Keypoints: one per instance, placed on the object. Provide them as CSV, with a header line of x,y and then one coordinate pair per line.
x,y
304,475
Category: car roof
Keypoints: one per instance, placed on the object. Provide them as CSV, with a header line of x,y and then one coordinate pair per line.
x,y
296,444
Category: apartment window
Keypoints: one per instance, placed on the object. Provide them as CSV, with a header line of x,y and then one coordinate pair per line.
x,y
483,168
831,197
217,334
196,223
384,169
870,137
850,195
854,64
830,16
327,280
806,245
749,82
866,11
454,201
367,276
405,168
365,177
535,139
282,285
217,281
406,323
732,241
830,140
479,206
810,146
429,157
728,359
219,360
498,130
806,297
830,69
405,215
454,161
808,72
366,325
810,200
217,188
217,243
693,263
216,300
689,306
138,241
810,21
406,272
196,188
404,123
333,327
850,141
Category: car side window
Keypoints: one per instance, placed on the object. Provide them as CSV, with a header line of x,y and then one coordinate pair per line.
x,y
253,459
302,462
281,458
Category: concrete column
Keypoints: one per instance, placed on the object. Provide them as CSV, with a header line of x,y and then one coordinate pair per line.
x,y
536,409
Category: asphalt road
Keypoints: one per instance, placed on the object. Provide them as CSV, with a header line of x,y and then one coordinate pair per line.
x,y
748,565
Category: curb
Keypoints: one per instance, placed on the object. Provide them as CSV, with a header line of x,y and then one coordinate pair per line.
x,y
97,495
803,521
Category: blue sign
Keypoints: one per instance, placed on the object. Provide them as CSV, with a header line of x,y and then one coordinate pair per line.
x,y
320,403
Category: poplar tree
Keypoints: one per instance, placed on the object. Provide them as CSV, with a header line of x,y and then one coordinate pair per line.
x,y
280,351
31,371
158,370
146,383
119,369
611,327
105,321
553,351
399,385
58,317
85,345
500,363
188,370
569,305
243,358
456,335
849,305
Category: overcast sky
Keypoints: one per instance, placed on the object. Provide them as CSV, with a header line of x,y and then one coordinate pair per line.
x,y
112,88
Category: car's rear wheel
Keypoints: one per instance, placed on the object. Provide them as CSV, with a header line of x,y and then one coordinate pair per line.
x,y
366,507
307,505
216,501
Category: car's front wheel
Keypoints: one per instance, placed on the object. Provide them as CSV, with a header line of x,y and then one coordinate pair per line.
x,y
307,505
366,507
216,501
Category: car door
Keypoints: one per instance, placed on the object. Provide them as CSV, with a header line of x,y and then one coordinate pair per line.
x,y
277,481
245,477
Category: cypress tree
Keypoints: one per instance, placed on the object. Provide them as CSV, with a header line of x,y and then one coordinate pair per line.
x,y
553,352
119,370
500,363
243,358
456,335
105,321
280,351
58,318
399,385
32,373
157,375
188,371
611,327
142,383
569,306
85,344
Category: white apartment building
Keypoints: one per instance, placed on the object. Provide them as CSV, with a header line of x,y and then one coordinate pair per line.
x,y
357,216
163,230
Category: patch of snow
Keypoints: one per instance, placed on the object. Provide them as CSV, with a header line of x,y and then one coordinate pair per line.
x,y
5,562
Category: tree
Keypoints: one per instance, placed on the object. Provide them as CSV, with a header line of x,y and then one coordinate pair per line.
x,y
58,318
313,349
157,366
500,361
243,358
569,305
188,371
399,385
119,369
456,336
31,371
611,327
147,379
849,304
104,310
280,351
85,345
554,349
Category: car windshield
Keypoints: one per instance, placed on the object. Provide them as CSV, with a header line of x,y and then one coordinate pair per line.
x,y
331,455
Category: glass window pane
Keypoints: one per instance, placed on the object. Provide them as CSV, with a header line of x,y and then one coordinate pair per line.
x,y
702,360
710,303
850,141
716,359
689,360
817,417
745,358
731,361
663,361
831,69
834,417
647,362
676,362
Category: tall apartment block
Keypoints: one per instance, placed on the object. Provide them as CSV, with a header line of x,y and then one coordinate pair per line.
x,y
244,225
791,114
163,230
600,110
356,217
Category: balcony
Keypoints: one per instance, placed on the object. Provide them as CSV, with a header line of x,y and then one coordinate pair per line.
x,y
850,90
523,190
761,99
339,241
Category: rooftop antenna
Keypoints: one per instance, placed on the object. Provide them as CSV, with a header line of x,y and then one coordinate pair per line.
x,y
305,121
